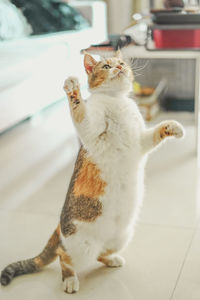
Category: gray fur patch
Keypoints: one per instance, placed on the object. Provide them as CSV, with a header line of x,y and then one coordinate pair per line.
x,y
16,269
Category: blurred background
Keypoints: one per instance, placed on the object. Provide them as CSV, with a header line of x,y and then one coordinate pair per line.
x,y
41,44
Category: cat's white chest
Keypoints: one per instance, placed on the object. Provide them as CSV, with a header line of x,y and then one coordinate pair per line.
x,y
118,131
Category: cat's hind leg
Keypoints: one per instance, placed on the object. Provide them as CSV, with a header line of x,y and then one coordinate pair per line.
x,y
69,275
109,255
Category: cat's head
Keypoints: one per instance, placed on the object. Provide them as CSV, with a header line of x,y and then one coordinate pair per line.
x,y
108,75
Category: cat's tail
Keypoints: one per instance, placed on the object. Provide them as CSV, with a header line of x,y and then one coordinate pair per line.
x,y
35,264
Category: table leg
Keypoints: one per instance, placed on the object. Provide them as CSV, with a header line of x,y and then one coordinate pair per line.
x,y
197,108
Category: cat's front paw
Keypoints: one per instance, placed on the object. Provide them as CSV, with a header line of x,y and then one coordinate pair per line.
x,y
171,128
71,84
71,284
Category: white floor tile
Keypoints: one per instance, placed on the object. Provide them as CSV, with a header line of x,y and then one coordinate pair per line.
x,y
172,195
36,162
24,234
154,259
188,286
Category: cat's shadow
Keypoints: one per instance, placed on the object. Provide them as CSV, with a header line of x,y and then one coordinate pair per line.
x,y
98,271
98,275
92,281
109,282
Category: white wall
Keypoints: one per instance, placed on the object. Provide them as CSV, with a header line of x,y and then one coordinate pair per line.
x,y
119,14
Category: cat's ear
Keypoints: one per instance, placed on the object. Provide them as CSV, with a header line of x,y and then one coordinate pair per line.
x,y
89,63
118,54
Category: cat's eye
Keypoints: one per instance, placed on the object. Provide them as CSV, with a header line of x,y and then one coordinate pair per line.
x,y
106,66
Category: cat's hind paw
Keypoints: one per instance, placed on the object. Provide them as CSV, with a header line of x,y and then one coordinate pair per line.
x,y
112,261
116,261
71,284
71,84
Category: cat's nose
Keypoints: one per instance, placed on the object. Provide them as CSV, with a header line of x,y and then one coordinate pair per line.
x,y
119,67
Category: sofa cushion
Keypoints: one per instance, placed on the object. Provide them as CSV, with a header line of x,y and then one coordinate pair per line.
x,y
48,16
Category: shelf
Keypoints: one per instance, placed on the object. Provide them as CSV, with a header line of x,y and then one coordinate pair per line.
x,y
141,52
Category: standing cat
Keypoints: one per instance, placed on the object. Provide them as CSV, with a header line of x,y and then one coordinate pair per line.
x,y
106,188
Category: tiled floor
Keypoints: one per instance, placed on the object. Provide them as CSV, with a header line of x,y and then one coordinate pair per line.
x,y
163,260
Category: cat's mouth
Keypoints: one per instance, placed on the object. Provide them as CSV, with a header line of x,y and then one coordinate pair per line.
x,y
120,73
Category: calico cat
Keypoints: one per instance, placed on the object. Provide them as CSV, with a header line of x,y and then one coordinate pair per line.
x,y
106,189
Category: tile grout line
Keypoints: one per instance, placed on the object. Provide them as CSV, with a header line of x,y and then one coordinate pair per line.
x,y
185,258
183,263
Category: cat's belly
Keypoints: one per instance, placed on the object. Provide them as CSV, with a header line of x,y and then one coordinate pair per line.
x,y
112,230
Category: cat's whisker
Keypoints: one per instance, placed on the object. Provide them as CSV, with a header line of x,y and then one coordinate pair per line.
x,y
133,61
141,67
135,67
138,74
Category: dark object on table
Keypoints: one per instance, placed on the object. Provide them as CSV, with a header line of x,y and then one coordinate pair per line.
x,y
116,41
48,16
173,3
175,104
165,10
169,17
119,41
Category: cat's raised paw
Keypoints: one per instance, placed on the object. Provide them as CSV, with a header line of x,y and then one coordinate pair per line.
x,y
71,284
171,128
71,84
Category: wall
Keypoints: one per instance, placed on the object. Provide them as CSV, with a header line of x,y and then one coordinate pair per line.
x,y
119,14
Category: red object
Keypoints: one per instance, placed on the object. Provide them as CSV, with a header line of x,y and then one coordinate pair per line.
x,y
179,38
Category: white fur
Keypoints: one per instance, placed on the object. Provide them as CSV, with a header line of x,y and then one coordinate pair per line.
x,y
115,261
120,153
71,284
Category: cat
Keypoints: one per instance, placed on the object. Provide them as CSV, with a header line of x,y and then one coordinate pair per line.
x,y
106,189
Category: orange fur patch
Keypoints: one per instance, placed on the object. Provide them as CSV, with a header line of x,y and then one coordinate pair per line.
x,y
64,257
58,229
107,252
103,257
65,262
97,79
75,94
161,133
38,262
99,75
49,252
89,183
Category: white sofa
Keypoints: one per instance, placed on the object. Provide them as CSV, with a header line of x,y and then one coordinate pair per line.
x,y
33,69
